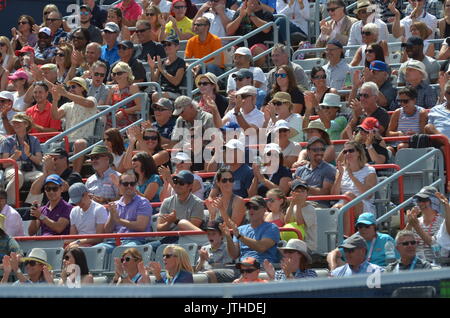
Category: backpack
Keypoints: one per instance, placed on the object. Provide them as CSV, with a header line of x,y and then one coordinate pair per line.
x,y
420,141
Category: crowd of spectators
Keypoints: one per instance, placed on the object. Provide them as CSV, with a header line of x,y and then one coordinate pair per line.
x,y
146,176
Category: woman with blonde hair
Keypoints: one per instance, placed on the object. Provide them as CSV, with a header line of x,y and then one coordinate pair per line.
x,y
421,30
277,204
7,57
153,15
353,178
130,268
63,61
177,264
123,78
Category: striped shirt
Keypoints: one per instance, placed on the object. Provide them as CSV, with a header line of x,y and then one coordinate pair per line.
x,y
307,273
431,230
409,122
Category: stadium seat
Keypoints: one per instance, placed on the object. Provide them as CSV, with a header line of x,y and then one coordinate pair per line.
x,y
96,258
308,64
191,249
54,257
27,246
326,230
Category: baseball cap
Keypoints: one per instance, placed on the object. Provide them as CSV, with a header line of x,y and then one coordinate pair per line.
x,y
85,6
58,151
370,124
256,200
243,51
181,103
127,44
282,97
378,66
354,241
366,218
417,65
54,178
181,156
18,75
247,90
298,183
272,147
172,39
281,124
213,226
185,176
99,149
336,43
80,81
76,192
243,73
7,95
231,125
46,30
426,192
164,102
248,261
112,27
235,144
25,49
413,41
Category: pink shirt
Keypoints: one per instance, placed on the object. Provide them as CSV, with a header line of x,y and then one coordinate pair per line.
x,y
132,12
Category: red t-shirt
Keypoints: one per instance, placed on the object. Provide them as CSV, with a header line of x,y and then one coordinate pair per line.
x,y
43,119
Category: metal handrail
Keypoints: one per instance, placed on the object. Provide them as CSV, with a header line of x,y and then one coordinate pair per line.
x,y
201,62
110,109
371,191
16,177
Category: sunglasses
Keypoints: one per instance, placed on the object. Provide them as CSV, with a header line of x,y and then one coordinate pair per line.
x,y
117,73
204,83
199,24
159,109
180,7
332,9
240,78
60,54
408,243
419,199
128,184
248,271
366,33
23,23
168,255
150,137
31,263
370,51
365,95
167,44
44,36
319,77
276,103
253,207
365,226
78,38
272,200
346,151
142,30
243,96
349,250
225,180
2,44
51,20
317,149
53,189
99,74
47,13
403,101
66,258
96,157
178,181
84,13
150,14
73,86
283,75
126,259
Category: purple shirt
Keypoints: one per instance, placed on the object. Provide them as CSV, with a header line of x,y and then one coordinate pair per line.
x,y
62,210
138,206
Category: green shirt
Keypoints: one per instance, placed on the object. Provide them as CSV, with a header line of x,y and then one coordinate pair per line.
x,y
8,245
337,126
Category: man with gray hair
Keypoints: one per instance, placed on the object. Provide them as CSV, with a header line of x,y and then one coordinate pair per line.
x,y
148,46
406,246
280,56
190,116
365,105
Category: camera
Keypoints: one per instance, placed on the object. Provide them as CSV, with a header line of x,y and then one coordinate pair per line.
x,y
26,166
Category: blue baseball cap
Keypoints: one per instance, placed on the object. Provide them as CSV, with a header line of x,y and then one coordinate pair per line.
x,y
186,176
76,192
231,125
54,178
366,218
378,66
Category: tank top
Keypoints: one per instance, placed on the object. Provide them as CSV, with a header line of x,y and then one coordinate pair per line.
x,y
323,96
117,96
409,122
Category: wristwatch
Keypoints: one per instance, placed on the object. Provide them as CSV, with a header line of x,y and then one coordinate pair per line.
x,y
237,114
176,221
42,217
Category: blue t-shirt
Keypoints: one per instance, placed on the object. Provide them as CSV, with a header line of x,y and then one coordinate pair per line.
x,y
110,56
265,230
154,178
11,142
378,256
438,116
243,178
270,3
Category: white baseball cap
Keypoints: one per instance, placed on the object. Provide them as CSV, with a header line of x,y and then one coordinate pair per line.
x,y
243,51
235,144
7,95
272,147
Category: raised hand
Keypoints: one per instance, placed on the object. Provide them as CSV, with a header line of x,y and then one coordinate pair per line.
x,y
154,268
7,269
48,275
151,61
203,254
224,229
441,198
141,268
310,100
26,149
356,106
270,270
356,80
17,154
118,266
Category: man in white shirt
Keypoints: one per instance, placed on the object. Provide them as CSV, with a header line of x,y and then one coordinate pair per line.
x,y
219,16
245,114
87,217
13,222
366,14
242,58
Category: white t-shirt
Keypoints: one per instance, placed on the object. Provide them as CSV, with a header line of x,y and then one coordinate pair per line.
x,y
217,27
310,217
294,121
19,102
85,222
356,37
347,185
255,117
428,19
258,75
117,159
75,114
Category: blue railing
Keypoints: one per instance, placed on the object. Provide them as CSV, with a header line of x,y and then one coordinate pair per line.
x,y
394,177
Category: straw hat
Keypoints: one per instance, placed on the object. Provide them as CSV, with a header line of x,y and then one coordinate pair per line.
x,y
38,255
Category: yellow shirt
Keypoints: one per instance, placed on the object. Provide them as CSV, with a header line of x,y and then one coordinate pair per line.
x,y
185,26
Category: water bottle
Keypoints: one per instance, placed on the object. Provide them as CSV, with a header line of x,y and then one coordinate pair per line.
x,y
348,80
389,252
436,248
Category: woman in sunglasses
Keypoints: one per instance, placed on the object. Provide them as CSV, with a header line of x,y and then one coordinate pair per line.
x,y
177,265
63,61
75,256
149,183
209,92
154,16
407,120
285,82
114,141
319,82
227,205
123,87
369,34
130,268
7,57
147,140
425,227
277,204
353,178
23,35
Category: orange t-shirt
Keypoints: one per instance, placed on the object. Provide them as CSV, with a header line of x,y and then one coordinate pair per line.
x,y
196,49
